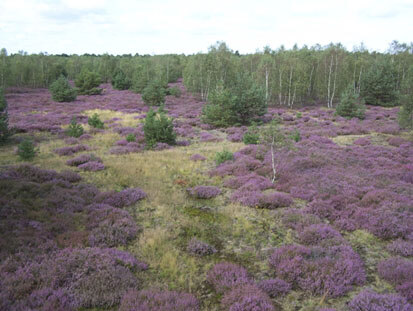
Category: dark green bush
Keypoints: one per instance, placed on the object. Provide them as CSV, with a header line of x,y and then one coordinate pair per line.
x,y
87,83
222,156
26,150
62,91
130,138
139,82
95,121
75,129
252,136
406,112
296,136
349,106
174,91
154,93
379,85
120,81
219,111
4,119
158,128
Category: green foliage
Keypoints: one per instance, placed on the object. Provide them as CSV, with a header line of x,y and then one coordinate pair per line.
x,y
154,93
139,82
299,115
95,121
75,129
120,81
158,128
406,112
26,150
174,91
379,85
349,106
240,104
251,137
296,136
222,156
4,119
62,91
87,83
130,138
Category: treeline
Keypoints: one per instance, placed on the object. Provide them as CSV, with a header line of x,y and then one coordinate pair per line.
x,y
40,70
289,77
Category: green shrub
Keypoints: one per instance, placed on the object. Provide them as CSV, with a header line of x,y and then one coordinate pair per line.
x,y
158,128
130,138
139,82
296,136
154,93
349,106
299,115
379,85
240,104
174,91
26,150
222,156
120,81
252,136
4,119
62,91
75,129
95,121
87,83
406,112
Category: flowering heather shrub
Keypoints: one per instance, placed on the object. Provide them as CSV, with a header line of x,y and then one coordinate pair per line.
x,y
66,151
156,300
71,141
85,137
274,200
82,159
316,234
319,270
406,290
368,300
129,148
408,174
161,146
297,219
110,227
363,141
274,287
224,276
47,299
259,182
197,157
183,143
204,192
247,297
92,166
207,137
401,247
200,248
396,270
396,141
121,199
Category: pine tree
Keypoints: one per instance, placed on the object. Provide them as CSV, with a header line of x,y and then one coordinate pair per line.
x,y
158,128
4,119
62,91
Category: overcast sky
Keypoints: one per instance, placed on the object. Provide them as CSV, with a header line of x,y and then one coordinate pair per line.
x,y
191,26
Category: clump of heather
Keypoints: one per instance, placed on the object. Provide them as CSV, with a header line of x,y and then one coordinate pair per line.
x,y
66,151
275,200
247,297
320,233
274,287
200,248
197,157
111,227
157,300
396,141
204,192
401,247
334,270
224,276
368,300
399,272
82,159
298,219
92,166
122,198
363,141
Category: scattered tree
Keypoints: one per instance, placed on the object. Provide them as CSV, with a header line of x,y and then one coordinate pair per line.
x,y
62,91
75,129
158,128
154,93
350,106
120,81
4,119
87,83
26,150
95,121
406,112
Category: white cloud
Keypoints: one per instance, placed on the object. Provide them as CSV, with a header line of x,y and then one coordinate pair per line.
x,y
162,26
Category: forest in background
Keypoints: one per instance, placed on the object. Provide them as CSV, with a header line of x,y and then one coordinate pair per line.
x,y
290,77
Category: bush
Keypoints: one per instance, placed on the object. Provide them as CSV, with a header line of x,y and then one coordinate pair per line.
x,y
62,91
130,138
75,129
158,128
379,85
274,287
156,300
4,119
224,276
200,248
406,112
204,192
348,106
247,297
219,109
95,122
87,83
252,136
26,150
139,82
224,155
122,198
120,81
369,300
296,136
174,91
154,93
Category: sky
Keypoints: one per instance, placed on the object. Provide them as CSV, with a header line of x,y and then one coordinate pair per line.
x,y
191,26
